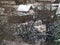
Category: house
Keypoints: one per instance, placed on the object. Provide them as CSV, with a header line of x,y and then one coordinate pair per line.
x,y
24,8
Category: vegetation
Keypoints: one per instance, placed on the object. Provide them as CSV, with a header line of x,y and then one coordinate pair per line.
x,y
57,33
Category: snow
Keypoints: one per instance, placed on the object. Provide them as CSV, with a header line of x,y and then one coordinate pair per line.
x,y
24,8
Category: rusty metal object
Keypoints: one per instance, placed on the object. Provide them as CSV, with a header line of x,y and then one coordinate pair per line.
x,y
19,19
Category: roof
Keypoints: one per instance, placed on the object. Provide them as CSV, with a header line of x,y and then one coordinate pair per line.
x,y
58,10
47,0
24,8
7,2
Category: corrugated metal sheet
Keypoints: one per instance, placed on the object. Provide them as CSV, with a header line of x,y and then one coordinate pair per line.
x,y
58,10
47,0
7,2
19,19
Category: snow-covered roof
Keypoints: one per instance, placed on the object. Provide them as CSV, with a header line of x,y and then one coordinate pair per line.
x,y
24,8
